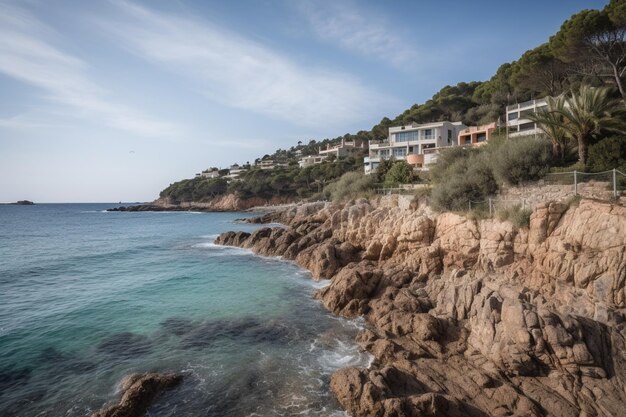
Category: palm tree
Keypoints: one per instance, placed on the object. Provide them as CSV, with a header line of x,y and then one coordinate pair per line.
x,y
588,113
552,123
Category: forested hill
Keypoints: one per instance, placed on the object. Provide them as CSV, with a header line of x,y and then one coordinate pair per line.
x,y
589,48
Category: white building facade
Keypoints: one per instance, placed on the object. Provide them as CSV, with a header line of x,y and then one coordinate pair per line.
x,y
418,144
517,124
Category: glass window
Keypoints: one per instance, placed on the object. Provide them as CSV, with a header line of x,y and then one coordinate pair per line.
x,y
526,126
384,153
513,116
428,134
399,152
525,113
481,137
406,136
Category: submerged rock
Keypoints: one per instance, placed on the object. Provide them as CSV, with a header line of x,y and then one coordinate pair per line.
x,y
138,392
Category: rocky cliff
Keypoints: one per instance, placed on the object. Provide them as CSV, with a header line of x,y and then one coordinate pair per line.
x,y
469,318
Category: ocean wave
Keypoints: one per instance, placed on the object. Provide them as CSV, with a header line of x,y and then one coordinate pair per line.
x,y
220,250
212,237
341,355
322,283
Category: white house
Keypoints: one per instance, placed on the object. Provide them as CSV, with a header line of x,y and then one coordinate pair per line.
x,y
209,173
418,144
234,171
516,122
308,161
345,148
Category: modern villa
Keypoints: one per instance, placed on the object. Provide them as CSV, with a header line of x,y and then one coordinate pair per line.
x,y
516,122
268,164
418,144
234,171
476,135
209,173
345,148
308,161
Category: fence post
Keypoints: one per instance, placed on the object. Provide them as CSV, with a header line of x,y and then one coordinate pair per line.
x,y
575,183
470,205
614,184
490,207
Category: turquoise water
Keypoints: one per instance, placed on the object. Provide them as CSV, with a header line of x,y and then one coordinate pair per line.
x,y
87,297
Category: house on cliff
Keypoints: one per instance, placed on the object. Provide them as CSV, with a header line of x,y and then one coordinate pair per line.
x,y
418,144
517,124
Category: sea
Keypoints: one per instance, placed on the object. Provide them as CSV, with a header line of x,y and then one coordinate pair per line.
x,y
89,296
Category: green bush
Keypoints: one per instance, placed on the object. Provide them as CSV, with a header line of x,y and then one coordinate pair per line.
x,y
350,185
468,178
399,173
445,160
607,154
522,159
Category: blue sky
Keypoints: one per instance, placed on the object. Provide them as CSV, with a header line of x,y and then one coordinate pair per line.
x,y
114,100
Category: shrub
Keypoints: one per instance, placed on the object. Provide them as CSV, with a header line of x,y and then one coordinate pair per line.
x,y
607,154
350,185
445,160
517,215
399,173
468,178
521,159
383,167
422,195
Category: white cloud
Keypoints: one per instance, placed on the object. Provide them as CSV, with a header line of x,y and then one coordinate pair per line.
x,y
27,55
364,33
241,73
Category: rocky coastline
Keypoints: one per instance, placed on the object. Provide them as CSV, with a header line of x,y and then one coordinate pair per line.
x,y
468,317
227,202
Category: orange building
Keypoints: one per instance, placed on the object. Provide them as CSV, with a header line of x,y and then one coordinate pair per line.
x,y
476,135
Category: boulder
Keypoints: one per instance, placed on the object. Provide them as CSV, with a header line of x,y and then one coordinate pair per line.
x,y
139,392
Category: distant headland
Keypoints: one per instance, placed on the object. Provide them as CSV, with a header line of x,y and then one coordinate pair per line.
x,y
21,203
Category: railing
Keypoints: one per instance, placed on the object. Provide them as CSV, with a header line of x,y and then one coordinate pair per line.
x,y
401,189
604,185
520,105
491,205
615,179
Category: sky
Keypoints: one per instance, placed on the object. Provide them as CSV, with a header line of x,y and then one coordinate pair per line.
x,y
114,100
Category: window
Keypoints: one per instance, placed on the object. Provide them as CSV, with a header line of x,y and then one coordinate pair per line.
x,y
525,113
481,137
449,136
406,136
399,152
384,153
526,126
428,134
513,116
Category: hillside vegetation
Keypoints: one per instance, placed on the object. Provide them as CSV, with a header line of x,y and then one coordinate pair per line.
x,y
588,51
